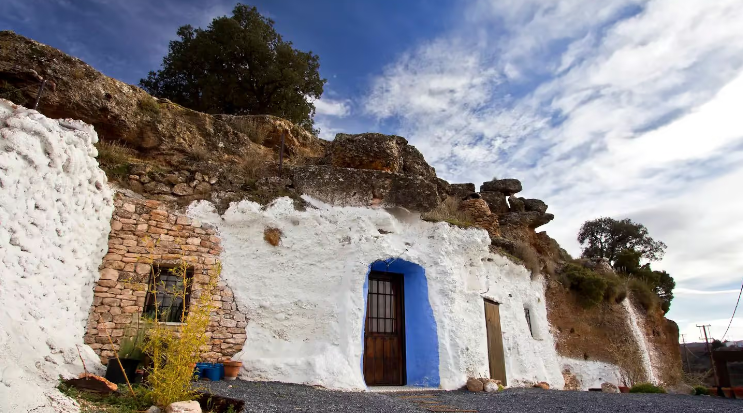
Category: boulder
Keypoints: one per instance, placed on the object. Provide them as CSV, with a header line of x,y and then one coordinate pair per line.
x,y
496,201
153,409
571,380
609,388
525,219
184,407
506,186
182,190
360,187
516,204
492,386
474,384
157,188
462,190
535,205
374,151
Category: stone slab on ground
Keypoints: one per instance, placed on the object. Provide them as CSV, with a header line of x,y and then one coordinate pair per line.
x,y
269,397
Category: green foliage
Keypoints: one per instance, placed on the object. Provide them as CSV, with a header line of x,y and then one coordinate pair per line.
x,y
701,391
132,344
239,65
643,294
607,237
615,291
646,388
173,351
149,107
660,282
12,93
591,287
122,402
717,344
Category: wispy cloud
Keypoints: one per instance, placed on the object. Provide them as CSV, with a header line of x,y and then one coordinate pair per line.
x,y
331,107
618,108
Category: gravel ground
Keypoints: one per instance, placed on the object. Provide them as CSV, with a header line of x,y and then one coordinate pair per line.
x,y
267,397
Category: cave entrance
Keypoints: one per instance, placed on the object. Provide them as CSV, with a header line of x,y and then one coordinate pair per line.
x,y
384,330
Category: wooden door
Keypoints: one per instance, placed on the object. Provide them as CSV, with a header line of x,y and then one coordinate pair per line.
x,y
495,342
384,331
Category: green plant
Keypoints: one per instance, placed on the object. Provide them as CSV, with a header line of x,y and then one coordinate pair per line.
x,y
113,154
646,388
590,287
131,345
448,211
701,391
173,351
149,107
643,294
122,402
12,93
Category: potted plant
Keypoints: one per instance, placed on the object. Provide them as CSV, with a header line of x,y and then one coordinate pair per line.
x,y
130,355
232,369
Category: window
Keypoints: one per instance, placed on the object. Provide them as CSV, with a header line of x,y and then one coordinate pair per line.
x,y
166,295
381,307
527,313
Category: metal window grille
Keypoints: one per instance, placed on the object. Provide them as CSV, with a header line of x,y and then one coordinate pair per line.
x,y
527,314
165,296
381,307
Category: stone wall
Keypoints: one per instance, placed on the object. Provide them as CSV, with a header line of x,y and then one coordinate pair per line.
x,y
144,232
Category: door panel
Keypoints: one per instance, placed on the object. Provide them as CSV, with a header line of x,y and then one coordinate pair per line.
x,y
384,331
495,342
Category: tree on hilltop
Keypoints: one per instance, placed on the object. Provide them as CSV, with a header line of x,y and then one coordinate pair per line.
x,y
607,238
239,65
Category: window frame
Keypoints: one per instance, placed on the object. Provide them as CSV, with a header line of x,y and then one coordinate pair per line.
x,y
164,270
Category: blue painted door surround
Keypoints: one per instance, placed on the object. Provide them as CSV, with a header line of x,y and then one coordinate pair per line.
x,y
421,337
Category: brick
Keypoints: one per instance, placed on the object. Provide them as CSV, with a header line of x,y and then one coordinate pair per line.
x,y
107,283
130,260
214,239
115,311
122,319
183,220
106,326
112,257
127,221
130,207
130,309
189,248
130,243
109,274
143,269
111,301
115,225
167,238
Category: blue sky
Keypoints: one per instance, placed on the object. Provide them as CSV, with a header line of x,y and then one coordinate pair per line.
x,y
622,108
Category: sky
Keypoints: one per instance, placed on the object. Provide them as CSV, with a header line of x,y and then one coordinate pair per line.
x,y
620,108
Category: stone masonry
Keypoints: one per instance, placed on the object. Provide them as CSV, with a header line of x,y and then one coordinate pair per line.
x,y
144,232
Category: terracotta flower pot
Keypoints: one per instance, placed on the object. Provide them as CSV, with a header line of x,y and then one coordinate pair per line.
x,y
232,369
623,389
738,392
727,391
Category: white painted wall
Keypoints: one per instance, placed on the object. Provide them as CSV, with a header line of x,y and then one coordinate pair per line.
x,y
305,301
55,208
591,374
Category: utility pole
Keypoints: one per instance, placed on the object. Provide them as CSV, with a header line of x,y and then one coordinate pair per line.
x,y
711,359
686,353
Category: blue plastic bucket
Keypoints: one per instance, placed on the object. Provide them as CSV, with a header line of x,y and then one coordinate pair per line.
x,y
200,369
220,367
211,373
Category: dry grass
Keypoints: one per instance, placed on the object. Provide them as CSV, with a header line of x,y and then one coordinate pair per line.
x,y
198,154
272,236
448,211
113,154
254,130
255,168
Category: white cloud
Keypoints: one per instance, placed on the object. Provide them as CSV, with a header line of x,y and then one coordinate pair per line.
x,y
618,108
330,107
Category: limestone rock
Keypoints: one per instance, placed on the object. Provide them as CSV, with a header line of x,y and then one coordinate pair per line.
x,y
462,190
496,201
474,384
506,186
157,188
374,151
571,380
525,219
492,386
153,409
359,187
516,204
182,189
609,388
184,407
534,205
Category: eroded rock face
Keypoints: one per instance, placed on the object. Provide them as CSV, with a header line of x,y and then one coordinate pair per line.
x,y
462,190
364,187
374,151
496,201
506,186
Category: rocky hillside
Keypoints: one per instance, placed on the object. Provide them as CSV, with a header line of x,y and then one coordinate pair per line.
x,y
166,152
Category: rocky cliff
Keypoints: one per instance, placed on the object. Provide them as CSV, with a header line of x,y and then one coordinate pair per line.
x,y
168,153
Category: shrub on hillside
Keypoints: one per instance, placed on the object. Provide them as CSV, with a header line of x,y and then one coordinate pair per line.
x,y
529,257
448,211
643,294
589,286
646,388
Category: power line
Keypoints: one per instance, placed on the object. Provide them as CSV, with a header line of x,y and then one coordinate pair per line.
x,y
734,310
